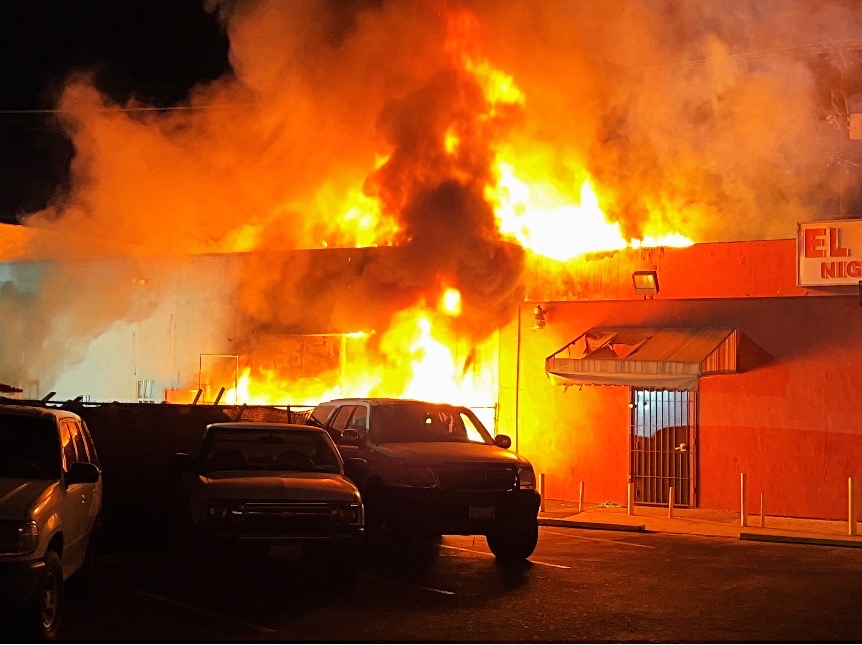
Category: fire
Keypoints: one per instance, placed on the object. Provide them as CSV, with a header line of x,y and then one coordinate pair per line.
x,y
450,302
558,213
543,214
419,356
459,123
548,223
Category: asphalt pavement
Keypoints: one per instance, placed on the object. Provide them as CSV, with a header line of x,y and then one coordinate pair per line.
x,y
693,521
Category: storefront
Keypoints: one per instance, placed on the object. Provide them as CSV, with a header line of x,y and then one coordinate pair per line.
x,y
738,362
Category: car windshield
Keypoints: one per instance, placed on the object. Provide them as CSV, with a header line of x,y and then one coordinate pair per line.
x,y
31,448
422,422
267,449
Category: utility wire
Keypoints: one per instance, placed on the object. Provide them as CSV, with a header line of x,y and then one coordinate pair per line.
x,y
126,109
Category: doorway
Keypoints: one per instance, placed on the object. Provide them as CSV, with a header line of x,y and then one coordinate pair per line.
x,y
663,446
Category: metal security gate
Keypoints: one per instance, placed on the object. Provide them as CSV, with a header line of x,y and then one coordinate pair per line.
x,y
663,442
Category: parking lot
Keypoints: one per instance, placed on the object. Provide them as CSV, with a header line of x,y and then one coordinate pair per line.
x,y
580,586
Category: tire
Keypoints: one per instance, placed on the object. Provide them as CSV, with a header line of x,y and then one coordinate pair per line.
x,y
515,544
40,619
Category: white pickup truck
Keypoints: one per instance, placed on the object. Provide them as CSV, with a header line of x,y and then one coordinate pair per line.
x,y
50,508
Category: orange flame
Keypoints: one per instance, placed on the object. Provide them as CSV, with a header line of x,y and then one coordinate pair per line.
x,y
419,355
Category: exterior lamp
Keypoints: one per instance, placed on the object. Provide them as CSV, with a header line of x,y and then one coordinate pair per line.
x,y
645,283
538,317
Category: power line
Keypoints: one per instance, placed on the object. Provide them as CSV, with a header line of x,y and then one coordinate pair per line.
x,y
126,109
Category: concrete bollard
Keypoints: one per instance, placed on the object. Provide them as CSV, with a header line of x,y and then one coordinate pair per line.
x,y
742,521
670,503
762,513
852,505
581,498
631,501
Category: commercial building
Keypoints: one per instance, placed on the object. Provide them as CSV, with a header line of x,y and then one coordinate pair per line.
x,y
741,360
740,366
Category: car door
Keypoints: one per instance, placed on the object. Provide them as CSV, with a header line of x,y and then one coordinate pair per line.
x,y
351,417
77,500
86,451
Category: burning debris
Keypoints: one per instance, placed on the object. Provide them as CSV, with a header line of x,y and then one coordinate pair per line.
x,y
463,137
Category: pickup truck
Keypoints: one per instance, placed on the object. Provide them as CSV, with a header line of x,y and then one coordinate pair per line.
x,y
270,493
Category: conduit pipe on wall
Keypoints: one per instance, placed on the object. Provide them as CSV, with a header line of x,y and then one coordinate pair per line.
x,y
742,521
852,504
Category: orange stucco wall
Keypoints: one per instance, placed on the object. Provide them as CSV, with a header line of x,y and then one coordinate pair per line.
x,y
791,418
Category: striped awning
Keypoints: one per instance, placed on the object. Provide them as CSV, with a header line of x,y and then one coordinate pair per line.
x,y
662,358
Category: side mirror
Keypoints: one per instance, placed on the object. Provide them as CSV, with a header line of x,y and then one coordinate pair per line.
x,y
356,468
351,437
183,461
83,473
503,441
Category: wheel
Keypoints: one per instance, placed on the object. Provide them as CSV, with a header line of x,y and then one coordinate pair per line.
x,y
40,619
515,544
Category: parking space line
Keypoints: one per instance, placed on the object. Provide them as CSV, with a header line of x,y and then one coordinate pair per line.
x,y
205,612
581,537
444,592
491,555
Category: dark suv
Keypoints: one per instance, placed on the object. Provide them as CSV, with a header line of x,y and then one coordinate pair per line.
x,y
431,469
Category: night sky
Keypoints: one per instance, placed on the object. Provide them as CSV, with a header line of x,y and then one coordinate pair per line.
x,y
152,50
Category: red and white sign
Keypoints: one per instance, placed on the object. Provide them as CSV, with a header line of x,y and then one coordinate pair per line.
x,y
829,253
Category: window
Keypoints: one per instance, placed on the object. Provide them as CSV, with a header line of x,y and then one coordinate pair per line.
x,y
69,454
342,417
321,413
91,448
78,439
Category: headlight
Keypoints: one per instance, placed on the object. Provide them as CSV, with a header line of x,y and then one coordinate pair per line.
x,y
347,514
526,478
28,537
414,477
217,511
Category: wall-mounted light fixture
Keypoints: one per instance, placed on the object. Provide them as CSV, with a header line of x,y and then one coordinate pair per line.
x,y
538,317
645,283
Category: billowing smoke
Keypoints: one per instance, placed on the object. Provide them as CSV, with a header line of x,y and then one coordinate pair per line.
x,y
720,120
711,114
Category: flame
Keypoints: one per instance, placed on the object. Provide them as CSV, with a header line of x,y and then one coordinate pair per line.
x,y
543,218
419,356
450,302
551,209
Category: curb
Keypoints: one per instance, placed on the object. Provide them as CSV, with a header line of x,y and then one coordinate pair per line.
x,y
799,539
544,521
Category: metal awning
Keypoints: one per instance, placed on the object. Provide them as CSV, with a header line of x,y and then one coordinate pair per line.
x,y
663,358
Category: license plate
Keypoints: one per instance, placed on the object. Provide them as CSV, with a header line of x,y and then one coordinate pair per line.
x,y
481,512
285,551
